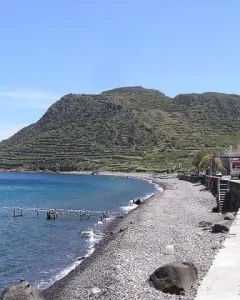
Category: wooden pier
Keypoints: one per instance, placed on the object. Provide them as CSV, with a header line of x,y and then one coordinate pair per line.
x,y
52,214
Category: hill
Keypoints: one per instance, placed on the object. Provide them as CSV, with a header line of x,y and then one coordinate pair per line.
x,y
129,128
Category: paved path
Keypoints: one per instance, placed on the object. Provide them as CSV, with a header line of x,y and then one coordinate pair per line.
x,y
223,279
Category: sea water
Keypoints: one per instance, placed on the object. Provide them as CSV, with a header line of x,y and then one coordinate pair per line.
x,y
43,251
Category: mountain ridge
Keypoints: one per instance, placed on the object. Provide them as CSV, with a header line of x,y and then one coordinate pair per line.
x,y
127,128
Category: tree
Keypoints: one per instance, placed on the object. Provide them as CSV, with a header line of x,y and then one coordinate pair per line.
x,y
198,157
218,163
202,159
204,163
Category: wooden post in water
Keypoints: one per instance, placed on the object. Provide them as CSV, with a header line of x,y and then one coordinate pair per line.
x,y
15,215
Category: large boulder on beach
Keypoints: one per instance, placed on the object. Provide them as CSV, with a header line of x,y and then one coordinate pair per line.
x,y
216,209
221,226
138,201
229,216
21,291
175,278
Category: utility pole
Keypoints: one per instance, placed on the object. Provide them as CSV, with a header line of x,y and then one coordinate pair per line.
x,y
213,165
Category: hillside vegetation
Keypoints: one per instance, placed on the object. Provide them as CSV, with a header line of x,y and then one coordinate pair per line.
x,y
127,129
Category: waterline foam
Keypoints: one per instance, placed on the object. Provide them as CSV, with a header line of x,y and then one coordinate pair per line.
x,y
94,236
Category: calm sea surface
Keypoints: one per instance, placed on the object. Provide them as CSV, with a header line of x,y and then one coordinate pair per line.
x,y
40,250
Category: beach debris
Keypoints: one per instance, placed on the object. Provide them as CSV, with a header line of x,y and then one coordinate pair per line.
x,y
123,229
81,258
95,291
122,215
22,291
204,224
229,216
221,226
175,278
169,250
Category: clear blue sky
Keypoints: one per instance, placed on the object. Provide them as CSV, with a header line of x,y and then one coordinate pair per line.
x,y
49,48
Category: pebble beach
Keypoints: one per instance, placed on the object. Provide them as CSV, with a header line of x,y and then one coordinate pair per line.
x,y
134,246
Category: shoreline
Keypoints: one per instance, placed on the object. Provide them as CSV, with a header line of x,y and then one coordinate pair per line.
x,y
106,173
105,228
139,239
108,226
138,175
108,231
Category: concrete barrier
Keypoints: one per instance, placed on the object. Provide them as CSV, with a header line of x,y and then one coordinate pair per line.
x,y
234,195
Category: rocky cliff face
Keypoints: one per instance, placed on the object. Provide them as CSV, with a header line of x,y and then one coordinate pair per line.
x,y
128,128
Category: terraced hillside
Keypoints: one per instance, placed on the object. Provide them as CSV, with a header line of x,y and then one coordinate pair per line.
x,y
124,129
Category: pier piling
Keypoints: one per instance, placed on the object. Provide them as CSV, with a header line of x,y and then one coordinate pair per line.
x,y
15,215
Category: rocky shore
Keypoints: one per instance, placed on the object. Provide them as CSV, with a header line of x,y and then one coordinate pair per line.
x,y
134,247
